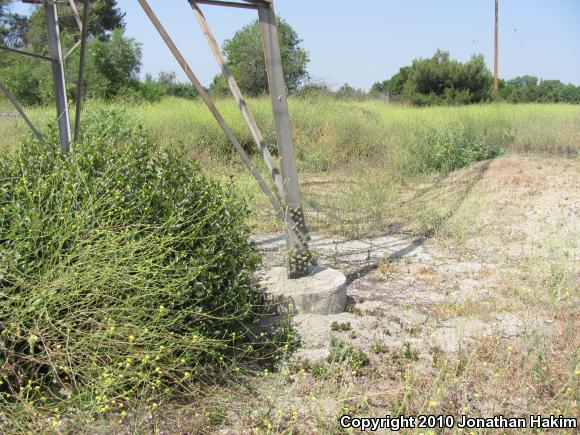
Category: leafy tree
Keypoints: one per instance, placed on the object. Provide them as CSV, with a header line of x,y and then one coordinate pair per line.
x,y
570,93
440,80
4,11
104,17
348,92
13,27
245,57
530,89
166,84
119,60
314,88
380,88
219,86
28,80
112,64
111,68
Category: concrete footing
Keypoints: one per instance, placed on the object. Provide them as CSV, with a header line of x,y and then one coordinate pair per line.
x,y
323,291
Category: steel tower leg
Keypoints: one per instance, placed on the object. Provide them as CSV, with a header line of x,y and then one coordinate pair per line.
x,y
62,112
296,232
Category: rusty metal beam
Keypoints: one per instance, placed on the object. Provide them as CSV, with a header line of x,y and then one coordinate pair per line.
x,y
496,50
296,229
227,3
259,2
62,113
72,49
75,12
79,97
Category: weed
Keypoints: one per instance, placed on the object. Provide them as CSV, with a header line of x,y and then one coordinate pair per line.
x,y
409,353
216,416
125,274
456,146
379,347
285,337
387,267
340,326
320,370
437,355
342,352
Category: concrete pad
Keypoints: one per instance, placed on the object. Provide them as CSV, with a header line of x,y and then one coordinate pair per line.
x,y
454,333
323,291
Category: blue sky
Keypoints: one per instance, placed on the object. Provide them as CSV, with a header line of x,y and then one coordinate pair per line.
x,y
364,41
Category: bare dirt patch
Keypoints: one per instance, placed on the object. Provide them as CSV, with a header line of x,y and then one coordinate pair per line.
x,y
454,283
499,278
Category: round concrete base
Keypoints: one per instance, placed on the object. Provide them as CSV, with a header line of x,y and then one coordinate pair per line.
x,y
323,291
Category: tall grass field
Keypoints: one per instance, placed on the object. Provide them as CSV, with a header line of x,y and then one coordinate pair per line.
x,y
330,133
371,152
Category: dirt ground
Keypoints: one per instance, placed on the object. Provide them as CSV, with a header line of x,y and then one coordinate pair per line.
x,y
401,287
481,318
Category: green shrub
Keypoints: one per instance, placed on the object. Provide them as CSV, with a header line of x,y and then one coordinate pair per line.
x,y
124,273
342,352
340,326
440,80
110,126
456,146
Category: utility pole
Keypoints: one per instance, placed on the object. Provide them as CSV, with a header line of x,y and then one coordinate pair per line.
x,y
62,113
496,50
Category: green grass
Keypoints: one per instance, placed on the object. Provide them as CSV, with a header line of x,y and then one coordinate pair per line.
x,y
329,133
380,165
369,167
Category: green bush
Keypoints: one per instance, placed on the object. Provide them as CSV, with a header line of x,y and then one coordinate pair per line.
x,y
456,146
344,353
124,273
529,89
439,80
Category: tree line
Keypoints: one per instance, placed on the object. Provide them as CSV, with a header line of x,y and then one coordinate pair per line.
x,y
442,80
114,63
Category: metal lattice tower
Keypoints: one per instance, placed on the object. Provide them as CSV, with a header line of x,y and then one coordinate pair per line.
x,y
285,195
56,60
